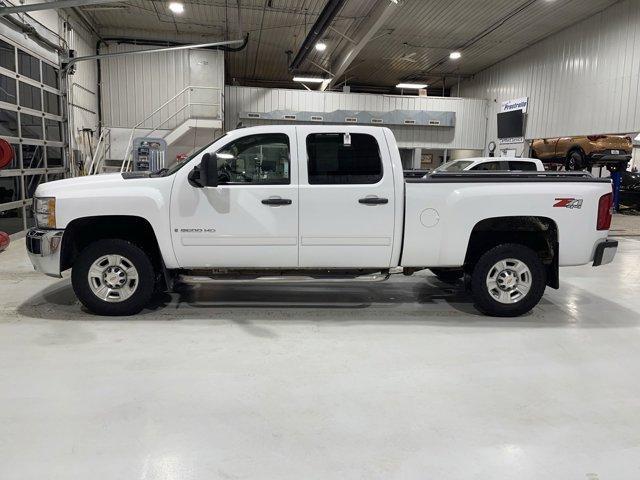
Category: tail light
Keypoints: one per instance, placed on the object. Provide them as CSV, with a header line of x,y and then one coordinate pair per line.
x,y
629,140
595,138
605,211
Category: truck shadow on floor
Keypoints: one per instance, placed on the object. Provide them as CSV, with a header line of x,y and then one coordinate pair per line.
x,y
419,300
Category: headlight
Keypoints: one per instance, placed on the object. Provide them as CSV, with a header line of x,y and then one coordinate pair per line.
x,y
45,212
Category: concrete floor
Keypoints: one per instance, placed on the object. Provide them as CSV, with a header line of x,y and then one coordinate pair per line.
x,y
402,380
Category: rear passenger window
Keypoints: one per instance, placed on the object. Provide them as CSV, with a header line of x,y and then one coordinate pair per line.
x,y
334,160
522,166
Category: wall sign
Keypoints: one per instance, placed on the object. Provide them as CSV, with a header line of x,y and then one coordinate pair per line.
x,y
517,104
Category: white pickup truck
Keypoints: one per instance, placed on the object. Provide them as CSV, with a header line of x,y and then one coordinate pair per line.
x,y
316,203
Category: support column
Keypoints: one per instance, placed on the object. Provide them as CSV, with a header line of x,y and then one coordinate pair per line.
x,y
417,158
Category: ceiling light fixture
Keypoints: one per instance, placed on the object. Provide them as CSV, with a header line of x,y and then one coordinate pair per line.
x,y
412,86
176,7
455,55
321,46
308,79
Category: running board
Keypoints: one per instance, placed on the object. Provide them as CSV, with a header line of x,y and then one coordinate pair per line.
x,y
200,279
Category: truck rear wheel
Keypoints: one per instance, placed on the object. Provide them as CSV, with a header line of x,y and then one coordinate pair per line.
x,y
113,277
508,281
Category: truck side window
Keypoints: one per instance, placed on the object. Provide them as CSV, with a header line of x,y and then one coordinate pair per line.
x,y
491,166
332,162
261,159
522,166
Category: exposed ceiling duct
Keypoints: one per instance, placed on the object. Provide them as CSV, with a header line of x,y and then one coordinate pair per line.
x,y
326,17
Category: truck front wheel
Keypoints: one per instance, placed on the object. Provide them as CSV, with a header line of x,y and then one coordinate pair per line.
x,y
113,277
508,281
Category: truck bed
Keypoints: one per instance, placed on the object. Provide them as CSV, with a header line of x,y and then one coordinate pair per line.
x,y
442,210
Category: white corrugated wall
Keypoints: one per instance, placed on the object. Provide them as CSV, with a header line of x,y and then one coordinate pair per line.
x,y
134,86
584,80
469,132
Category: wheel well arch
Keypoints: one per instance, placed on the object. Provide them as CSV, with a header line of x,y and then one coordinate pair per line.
x,y
576,148
540,234
81,232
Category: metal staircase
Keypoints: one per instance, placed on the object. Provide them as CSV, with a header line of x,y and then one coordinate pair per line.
x,y
190,109
102,152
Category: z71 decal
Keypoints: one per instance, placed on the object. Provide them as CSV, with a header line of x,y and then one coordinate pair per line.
x,y
568,203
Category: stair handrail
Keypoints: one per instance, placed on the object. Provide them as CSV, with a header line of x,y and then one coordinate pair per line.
x,y
129,149
100,147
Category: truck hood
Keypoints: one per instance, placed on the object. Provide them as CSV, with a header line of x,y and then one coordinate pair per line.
x,y
89,185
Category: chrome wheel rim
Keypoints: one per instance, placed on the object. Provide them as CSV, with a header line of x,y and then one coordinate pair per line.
x,y
509,281
113,278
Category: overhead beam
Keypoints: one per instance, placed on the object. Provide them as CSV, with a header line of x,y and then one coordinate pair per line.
x,y
73,60
33,7
379,14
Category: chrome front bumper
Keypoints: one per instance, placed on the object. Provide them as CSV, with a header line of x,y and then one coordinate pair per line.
x,y
605,253
44,248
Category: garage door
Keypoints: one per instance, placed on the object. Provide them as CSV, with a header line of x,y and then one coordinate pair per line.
x,y
31,123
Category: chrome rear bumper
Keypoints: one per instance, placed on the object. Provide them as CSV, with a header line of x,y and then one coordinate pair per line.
x,y
605,253
44,248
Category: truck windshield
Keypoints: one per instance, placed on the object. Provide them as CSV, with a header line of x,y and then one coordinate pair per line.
x,y
455,166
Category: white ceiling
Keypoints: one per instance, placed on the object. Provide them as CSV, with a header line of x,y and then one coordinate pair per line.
x,y
422,30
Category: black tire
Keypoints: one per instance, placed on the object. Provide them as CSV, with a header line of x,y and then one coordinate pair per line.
x,y
575,161
484,300
136,256
448,275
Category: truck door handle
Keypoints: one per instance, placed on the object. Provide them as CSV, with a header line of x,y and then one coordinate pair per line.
x,y
276,201
373,201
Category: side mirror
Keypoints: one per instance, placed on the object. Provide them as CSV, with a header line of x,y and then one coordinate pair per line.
x,y
206,174
209,170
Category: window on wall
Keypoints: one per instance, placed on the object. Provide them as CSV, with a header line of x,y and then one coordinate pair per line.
x,y
54,157
336,160
49,75
30,96
10,189
28,65
31,126
53,130
31,182
11,221
7,56
55,176
51,103
8,123
7,89
32,156
259,159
